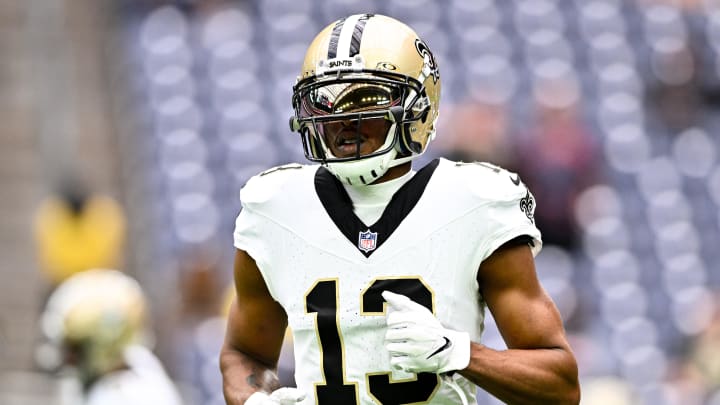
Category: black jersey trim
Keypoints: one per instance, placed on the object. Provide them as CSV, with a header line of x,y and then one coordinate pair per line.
x,y
518,241
339,206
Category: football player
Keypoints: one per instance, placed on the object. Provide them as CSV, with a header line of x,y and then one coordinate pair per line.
x,y
95,319
384,273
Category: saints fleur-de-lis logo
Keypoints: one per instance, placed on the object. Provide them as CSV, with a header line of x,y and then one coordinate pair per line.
x,y
527,205
424,52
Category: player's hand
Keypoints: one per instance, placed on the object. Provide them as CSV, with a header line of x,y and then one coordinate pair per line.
x,y
417,342
281,396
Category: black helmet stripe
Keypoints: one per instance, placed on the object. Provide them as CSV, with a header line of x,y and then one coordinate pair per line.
x,y
357,34
349,31
335,38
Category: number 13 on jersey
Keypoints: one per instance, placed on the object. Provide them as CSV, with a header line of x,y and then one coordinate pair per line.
x,y
322,300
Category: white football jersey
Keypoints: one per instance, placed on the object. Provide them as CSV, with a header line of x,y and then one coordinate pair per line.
x,y
328,269
144,382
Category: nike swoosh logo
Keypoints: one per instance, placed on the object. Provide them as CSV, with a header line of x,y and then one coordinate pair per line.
x,y
516,180
447,345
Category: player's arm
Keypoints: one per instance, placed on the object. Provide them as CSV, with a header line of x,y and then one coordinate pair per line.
x,y
538,367
255,331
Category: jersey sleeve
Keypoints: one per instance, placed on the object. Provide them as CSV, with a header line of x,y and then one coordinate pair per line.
x,y
249,224
248,234
255,232
511,218
508,207
252,235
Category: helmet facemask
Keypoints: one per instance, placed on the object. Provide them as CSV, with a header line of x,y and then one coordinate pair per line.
x,y
356,122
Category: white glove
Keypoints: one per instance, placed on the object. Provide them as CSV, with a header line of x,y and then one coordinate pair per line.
x,y
281,396
417,342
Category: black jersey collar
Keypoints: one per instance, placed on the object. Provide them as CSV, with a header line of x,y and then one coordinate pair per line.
x,y
366,238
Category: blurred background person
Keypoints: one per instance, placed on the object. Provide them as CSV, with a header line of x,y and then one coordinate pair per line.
x,y
96,323
197,324
556,154
703,356
477,131
77,229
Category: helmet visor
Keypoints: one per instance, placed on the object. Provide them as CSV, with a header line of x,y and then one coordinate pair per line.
x,y
348,97
352,118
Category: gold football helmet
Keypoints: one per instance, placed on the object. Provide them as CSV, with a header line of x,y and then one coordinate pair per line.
x,y
92,317
369,71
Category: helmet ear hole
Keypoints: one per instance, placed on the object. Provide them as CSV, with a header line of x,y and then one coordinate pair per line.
x,y
415,147
407,145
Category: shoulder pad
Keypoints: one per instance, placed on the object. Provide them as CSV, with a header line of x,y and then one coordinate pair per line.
x,y
270,183
488,181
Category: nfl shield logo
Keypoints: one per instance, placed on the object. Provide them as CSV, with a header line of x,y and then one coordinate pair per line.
x,y
367,241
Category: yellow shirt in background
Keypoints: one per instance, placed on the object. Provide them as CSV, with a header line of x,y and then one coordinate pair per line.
x,y
71,242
